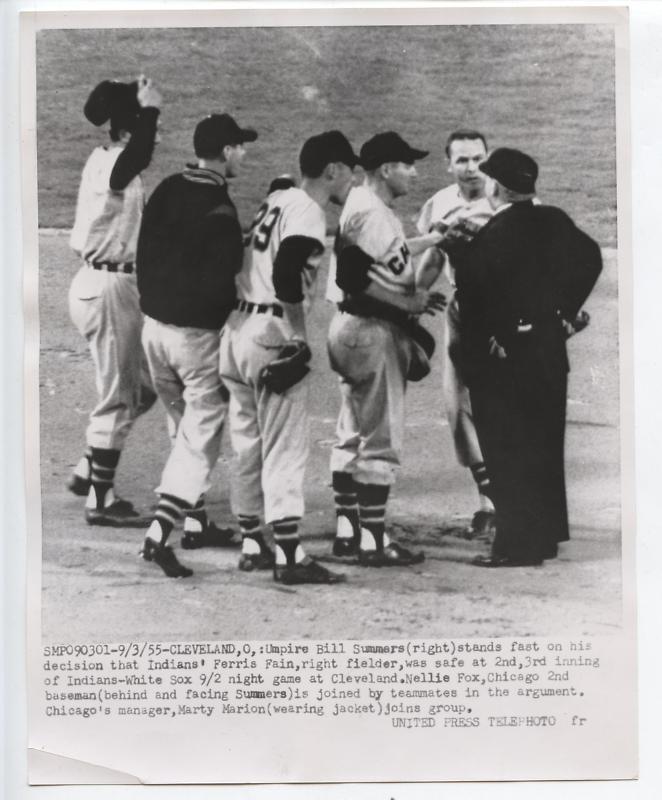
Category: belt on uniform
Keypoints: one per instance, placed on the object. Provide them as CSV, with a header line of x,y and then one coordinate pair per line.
x,y
258,308
111,266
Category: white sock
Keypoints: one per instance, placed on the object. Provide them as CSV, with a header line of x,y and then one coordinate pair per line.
x,y
249,546
281,559
485,503
344,528
91,501
367,540
154,532
192,525
82,469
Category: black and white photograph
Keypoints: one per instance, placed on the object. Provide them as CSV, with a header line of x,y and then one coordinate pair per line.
x,y
329,418
289,386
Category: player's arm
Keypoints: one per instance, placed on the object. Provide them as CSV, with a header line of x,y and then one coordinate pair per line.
x,y
353,277
138,152
294,255
429,268
419,244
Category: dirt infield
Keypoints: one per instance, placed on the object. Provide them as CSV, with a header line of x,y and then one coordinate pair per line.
x,y
95,588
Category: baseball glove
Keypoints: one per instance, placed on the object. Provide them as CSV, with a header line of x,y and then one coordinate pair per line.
x,y
290,367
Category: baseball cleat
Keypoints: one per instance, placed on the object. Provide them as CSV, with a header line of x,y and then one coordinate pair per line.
x,y
483,524
78,485
265,559
119,514
393,555
306,571
211,536
164,556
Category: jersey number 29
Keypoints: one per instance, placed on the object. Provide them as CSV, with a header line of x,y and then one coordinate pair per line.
x,y
262,227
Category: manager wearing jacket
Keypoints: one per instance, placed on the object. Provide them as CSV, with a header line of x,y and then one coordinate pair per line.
x,y
522,281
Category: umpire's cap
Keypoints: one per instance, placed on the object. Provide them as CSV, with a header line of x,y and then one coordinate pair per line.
x,y
388,147
512,168
216,131
329,147
114,101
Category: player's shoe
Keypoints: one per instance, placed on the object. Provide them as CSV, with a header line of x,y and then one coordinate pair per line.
x,y
393,555
265,559
483,525
78,485
119,514
346,542
164,556
210,536
306,571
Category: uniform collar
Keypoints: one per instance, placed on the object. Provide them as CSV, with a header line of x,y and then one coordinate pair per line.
x,y
197,174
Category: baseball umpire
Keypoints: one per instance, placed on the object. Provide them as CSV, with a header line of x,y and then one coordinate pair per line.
x,y
189,251
372,348
103,298
463,201
521,283
268,416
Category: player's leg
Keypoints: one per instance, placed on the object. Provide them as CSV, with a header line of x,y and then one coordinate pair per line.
x,y
462,426
380,404
104,307
188,356
246,492
344,453
283,423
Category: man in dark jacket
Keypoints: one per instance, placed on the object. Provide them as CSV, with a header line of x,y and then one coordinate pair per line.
x,y
521,284
189,251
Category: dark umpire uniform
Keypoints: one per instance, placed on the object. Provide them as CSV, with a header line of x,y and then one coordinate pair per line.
x,y
521,281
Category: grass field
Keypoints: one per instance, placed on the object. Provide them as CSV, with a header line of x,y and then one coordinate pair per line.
x,y
546,89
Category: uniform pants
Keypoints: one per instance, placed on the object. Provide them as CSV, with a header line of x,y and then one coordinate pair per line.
x,y
520,417
456,395
104,307
183,363
269,431
372,358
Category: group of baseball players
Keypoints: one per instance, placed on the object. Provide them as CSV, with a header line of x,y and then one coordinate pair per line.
x,y
177,301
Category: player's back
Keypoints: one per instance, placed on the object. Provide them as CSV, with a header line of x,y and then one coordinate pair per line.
x,y
284,213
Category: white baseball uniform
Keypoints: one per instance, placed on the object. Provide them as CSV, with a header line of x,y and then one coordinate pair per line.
x,y
103,297
449,206
370,354
269,431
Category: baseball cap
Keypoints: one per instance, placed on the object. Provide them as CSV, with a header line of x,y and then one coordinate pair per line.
x,y
325,148
386,147
512,168
114,101
216,131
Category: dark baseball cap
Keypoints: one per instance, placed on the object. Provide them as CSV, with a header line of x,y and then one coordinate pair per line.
x,y
387,147
216,131
512,168
114,101
325,148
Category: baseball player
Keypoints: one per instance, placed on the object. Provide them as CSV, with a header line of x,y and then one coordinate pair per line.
x,y
189,251
103,298
463,200
283,251
371,350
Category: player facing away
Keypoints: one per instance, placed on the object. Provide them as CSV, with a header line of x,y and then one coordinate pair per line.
x,y
103,298
462,200
269,430
189,251
371,348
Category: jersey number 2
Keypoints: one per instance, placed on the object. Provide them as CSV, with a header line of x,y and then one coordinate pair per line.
x,y
262,227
